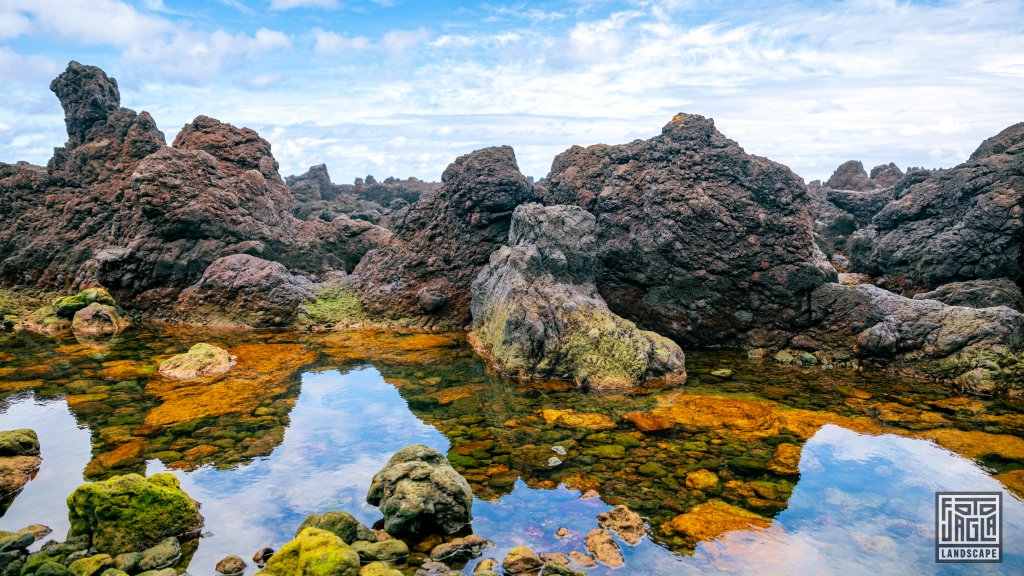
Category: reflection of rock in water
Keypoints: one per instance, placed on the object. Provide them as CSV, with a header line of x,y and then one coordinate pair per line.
x,y
19,461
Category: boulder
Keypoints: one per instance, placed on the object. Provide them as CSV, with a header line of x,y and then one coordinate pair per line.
x,y
925,337
418,490
601,544
952,225
521,560
313,552
68,306
230,565
978,294
341,524
244,289
697,239
19,459
98,320
423,276
537,313
625,523
202,359
131,513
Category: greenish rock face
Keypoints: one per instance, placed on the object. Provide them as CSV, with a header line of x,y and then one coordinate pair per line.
x,y
66,306
384,551
342,524
91,566
313,552
131,513
23,442
202,359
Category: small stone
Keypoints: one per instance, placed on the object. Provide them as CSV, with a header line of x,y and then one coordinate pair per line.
x,y
563,532
560,450
202,359
160,556
556,569
521,559
343,524
590,495
129,561
37,530
16,541
554,462
601,544
808,359
57,569
112,572
786,460
231,565
379,569
784,357
486,565
756,353
91,565
262,555
722,373
163,572
386,551
554,557
461,549
702,480
582,560
625,523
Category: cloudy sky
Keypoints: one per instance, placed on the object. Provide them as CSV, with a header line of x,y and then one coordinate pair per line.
x,y
402,87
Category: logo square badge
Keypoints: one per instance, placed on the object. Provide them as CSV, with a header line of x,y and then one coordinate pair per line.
x,y
968,527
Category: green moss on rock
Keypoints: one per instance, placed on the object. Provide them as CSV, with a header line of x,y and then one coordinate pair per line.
x,y
131,513
313,552
341,524
332,305
66,306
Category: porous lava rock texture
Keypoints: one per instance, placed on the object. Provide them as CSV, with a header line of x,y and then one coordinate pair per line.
x,y
952,225
698,240
537,313
422,277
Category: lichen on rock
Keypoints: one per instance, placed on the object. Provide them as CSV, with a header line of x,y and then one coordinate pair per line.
x,y
537,312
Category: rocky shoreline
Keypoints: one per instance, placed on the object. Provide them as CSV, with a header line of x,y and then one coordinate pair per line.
x,y
690,242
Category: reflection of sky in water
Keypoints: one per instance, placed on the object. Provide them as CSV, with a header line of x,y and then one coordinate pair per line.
x,y
864,505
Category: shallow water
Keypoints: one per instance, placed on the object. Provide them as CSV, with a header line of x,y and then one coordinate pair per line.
x,y
303,422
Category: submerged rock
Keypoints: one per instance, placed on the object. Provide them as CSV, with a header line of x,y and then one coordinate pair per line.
x,y
313,552
418,490
978,294
202,359
537,312
131,513
601,544
707,521
230,565
423,275
461,549
625,523
697,239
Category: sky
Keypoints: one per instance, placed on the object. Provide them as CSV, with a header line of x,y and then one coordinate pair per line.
x,y
401,87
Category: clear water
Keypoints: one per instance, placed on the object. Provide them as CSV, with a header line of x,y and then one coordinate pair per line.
x,y
863,502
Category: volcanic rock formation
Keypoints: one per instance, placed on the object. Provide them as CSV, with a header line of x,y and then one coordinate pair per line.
x,y
952,225
698,240
536,312
423,276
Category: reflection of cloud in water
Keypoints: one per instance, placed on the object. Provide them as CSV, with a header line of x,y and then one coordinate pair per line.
x,y
865,506
344,428
65,447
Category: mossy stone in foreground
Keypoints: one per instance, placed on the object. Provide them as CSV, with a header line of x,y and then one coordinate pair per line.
x,y
66,306
202,359
131,513
342,524
314,552
21,442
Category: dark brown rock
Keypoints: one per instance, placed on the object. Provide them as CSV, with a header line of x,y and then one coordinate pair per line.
x,y
698,240
952,225
423,275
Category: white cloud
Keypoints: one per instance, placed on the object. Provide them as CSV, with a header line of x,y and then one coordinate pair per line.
x,y
399,42
290,4
334,43
91,22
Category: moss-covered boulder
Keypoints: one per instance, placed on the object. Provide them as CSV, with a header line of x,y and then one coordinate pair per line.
x,y
131,513
537,312
313,552
21,442
91,565
44,320
342,524
418,490
66,306
202,359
